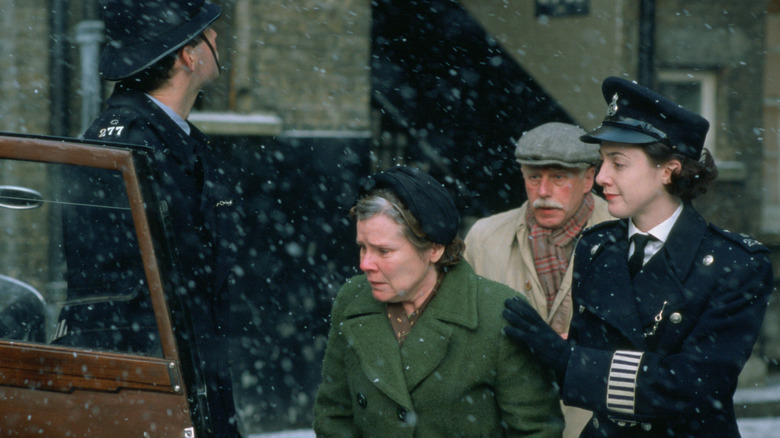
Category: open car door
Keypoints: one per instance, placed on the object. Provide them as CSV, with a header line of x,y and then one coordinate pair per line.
x,y
122,371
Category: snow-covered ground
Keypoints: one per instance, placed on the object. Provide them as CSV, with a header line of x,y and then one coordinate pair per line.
x,y
748,427
287,434
757,427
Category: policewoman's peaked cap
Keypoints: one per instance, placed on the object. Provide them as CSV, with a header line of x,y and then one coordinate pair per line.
x,y
638,115
140,33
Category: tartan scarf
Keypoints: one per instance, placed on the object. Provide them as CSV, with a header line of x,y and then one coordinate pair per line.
x,y
552,248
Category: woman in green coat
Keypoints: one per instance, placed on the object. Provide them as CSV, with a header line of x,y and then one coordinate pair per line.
x,y
416,347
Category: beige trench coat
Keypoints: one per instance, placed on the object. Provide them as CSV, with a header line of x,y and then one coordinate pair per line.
x,y
498,248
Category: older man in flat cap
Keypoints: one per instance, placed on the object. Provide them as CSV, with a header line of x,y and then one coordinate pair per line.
x,y
529,248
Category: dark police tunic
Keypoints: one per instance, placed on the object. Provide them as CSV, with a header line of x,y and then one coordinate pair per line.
x,y
203,211
660,355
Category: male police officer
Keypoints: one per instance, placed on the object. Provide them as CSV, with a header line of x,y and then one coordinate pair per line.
x,y
529,248
162,52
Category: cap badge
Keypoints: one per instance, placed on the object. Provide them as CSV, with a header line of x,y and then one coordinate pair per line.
x,y
613,106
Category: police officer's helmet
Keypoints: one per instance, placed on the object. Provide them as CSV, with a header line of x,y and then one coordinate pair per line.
x,y
141,33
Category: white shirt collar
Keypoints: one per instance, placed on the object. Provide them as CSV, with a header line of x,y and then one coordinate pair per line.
x,y
660,231
172,114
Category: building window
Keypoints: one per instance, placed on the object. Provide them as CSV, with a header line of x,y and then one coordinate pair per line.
x,y
694,90
561,8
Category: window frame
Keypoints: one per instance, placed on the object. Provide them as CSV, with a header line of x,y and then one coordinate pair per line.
x,y
707,97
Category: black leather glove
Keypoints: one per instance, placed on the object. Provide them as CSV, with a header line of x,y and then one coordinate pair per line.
x,y
528,328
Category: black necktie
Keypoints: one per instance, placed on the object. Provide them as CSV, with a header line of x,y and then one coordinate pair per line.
x,y
636,259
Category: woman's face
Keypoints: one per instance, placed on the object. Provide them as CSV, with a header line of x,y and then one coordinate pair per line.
x,y
633,186
396,270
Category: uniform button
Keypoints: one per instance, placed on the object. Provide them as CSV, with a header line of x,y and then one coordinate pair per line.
x,y
361,400
646,427
594,249
675,317
596,423
708,259
582,309
401,414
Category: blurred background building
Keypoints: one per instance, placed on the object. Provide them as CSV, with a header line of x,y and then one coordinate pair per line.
x,y
318,93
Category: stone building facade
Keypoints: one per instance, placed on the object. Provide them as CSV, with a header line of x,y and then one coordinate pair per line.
x,y
317,93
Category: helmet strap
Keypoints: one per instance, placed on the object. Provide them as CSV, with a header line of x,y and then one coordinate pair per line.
x,y
213,53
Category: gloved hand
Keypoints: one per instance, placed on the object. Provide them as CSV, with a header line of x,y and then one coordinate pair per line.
x,y
528,328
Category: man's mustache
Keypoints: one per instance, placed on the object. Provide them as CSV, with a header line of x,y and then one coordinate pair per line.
x,y
547,203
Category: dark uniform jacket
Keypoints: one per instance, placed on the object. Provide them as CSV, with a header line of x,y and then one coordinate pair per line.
x,y
660,356
202,212
456,375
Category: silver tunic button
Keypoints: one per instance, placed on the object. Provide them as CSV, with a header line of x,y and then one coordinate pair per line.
x,y
708,259
596,423
647,426
594,249
582,309
675,317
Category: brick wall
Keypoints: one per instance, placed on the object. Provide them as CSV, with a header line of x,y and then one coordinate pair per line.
x,y
24,61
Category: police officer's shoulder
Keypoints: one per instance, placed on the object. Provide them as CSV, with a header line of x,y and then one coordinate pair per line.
x,y
594,239
601,226
742,240
117,124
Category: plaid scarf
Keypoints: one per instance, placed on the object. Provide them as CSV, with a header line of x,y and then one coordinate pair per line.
x,y
552,248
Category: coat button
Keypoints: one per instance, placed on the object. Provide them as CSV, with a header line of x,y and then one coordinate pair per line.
x,y
646,427
594,249
581,309
596,423
401,413
675,317
361,400
708,259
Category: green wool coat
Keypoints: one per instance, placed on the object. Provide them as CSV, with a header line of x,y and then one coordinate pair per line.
x,y
456,374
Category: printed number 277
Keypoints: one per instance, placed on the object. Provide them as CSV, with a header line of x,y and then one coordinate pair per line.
x,y
113,130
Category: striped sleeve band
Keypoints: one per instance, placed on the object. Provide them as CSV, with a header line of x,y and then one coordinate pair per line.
x,y
621,384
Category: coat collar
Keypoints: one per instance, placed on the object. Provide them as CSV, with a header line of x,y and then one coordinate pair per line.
x,y
599,214
398,370
684,240
186,145
455,302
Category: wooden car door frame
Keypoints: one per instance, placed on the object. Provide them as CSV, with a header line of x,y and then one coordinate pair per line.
x,y
53,391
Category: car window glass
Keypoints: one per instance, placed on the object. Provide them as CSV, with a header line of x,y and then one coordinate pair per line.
x,y
70,268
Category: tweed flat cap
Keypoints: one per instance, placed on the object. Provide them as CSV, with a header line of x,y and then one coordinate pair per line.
x,y
638,115
556,144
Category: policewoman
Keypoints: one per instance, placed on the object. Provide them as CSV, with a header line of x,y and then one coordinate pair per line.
x,y
666,306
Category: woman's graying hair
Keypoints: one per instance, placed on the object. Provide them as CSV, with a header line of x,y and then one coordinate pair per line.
x,y
694,177
383,201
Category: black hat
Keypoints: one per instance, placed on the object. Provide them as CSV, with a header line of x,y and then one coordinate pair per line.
x,y
638,115
426,198
141,32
